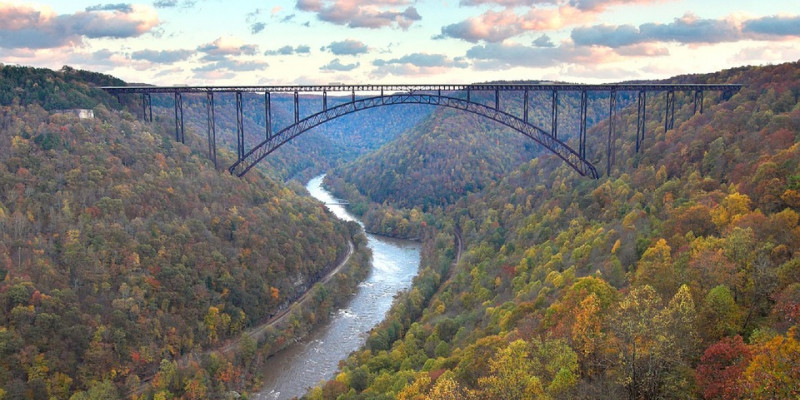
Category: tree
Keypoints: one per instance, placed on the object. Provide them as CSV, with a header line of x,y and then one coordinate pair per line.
x,y
773,372
511,375
656,269
719,315
721,367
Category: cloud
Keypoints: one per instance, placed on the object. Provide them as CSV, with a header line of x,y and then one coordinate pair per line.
x,y
29,26
165,3
336,65
232,66
506,3
356,14
163,56
606,35
688,30
289,50
773,26
347,47
126,8
602,5
543,41
227,46
496,26
257,27
508,55
417,64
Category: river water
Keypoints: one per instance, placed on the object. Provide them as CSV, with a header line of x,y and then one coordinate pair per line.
x,y
316,358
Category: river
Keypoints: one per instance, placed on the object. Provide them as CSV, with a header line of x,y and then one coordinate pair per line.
x,y
316,358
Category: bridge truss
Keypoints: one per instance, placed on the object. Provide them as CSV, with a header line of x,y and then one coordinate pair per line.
x,y
459,97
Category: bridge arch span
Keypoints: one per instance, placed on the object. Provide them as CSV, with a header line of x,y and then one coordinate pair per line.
x,y
557,147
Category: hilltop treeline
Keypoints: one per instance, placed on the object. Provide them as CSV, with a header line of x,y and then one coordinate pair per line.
x,y
676,277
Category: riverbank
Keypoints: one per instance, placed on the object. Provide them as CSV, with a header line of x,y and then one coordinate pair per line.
x,y
315,358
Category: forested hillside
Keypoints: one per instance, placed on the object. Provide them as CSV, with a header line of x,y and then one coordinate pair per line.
x,y
122,251
453,153
676,277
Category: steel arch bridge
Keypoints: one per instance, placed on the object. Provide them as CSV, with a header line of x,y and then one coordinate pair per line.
x,y
459,97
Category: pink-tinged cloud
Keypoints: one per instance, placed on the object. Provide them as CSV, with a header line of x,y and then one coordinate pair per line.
x,y
360,14
39,27
227,46
643,50
505,3
602,5
496,26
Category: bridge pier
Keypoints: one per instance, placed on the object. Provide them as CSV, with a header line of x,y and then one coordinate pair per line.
x,y
179,133
147,106
296,107
611,152
212,128
582,139
268,114
525,107
669,113
698,100
239,127
554,114
640,119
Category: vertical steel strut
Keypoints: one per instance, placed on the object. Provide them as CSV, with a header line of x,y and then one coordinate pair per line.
x,y
296,107
611,151
212,128
669,114
554,114
698,101
239,127
268,114
525,107
583,126
640,119
179,118
147,106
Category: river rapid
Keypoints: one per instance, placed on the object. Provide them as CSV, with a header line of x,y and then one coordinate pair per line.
x,y
316,358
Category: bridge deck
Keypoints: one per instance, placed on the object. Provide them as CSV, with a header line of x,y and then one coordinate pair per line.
x,y
389,88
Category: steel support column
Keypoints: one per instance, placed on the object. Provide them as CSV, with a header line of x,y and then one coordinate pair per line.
x,y
583,126
239,127
525,107
212,128
497,99
325,100
611,152
147,105
640,119
669,113
698,101
296,107
268,114
179,118
468,95
554,114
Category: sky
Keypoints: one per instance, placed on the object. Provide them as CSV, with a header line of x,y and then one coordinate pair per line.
x,y
241,42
